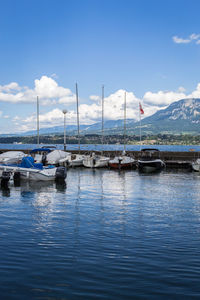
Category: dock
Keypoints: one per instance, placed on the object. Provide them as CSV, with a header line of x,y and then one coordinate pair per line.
x,y
172,159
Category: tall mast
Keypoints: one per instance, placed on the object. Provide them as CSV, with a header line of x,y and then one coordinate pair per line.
x,y
38,137
140,128
124,121
102,117
78,129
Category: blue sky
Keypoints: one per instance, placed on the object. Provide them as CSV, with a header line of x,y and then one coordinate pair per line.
x,y
148,48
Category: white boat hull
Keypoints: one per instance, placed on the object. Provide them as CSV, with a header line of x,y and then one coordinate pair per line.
x,y
31,174
96,162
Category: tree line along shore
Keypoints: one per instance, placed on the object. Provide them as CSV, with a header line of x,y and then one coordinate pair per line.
x,y
159,139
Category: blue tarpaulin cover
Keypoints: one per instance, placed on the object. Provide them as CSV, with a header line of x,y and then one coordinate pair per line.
x,y
40,150
28,162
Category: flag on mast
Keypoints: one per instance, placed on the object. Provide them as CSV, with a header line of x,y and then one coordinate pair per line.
x,y
141,109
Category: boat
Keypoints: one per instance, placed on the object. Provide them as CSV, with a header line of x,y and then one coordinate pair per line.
x,y
30,170
150,161
40,154
95,161
48,156
72,160
123,161
11,157
55,157
196,165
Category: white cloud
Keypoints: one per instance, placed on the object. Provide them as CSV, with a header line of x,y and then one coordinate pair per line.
x,y
95,98
46,88
113,107
54,75
13,86
50,93
195,93
181,89
178,40
16,118
91,113
162,98
192,37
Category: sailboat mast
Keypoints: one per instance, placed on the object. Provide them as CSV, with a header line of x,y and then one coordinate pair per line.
x,y
38,137
77,109
140,128
102,131
124,121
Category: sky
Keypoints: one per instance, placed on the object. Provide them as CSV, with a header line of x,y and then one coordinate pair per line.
x,y
149,49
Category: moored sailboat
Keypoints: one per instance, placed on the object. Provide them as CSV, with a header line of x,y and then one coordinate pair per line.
x,y
98,161
123,161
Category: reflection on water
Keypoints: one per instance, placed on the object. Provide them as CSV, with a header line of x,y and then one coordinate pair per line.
x,y
104,234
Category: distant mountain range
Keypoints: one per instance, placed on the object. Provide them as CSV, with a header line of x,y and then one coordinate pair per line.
x,y
182,116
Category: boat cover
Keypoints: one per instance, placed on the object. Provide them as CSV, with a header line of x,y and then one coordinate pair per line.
x,y
55,156
40,150
28,162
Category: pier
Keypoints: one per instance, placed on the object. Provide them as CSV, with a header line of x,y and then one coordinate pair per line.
x,y
172,159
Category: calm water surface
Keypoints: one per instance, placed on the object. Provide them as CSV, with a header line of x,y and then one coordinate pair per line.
x,y
105,235
93,147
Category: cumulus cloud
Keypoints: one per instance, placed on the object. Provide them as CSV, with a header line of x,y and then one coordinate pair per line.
x,y
195,93
50,92
13,86
192,38
181,89
162,98
95,97
91,113
46,88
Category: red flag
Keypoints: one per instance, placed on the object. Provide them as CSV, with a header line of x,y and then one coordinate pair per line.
x,y
141,109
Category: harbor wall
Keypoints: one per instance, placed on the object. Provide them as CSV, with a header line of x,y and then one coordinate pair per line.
x,y
167,156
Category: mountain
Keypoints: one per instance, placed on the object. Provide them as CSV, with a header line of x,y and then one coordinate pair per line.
x,y
95,128
182,116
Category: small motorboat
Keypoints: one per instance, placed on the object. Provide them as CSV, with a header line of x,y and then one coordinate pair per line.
x,y
196,165
150,161
56,156
95,161
40,154
48,156
27,169
11,157
122,162
72,160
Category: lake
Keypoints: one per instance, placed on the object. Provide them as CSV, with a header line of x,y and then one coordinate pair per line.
x,y
104,235
93,147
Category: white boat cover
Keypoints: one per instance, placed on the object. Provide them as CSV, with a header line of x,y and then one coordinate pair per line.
x,y
11,157
122,159
55,156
